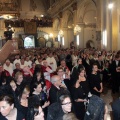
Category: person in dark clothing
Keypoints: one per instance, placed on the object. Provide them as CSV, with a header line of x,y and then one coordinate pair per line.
x,y
74,73
35,113
17,69
58,109
116,109
95,81
39,97
115,75
68,60
106,74
19,82
8,111
79,97
87,64
56,89
38,77
22,104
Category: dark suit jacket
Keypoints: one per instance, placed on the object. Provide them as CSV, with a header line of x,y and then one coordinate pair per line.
x,y
55,93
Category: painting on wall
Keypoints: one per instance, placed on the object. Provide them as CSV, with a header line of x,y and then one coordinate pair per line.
x,y
30,28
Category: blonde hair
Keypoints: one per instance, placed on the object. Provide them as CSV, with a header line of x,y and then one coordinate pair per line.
x,y
26,89
12,83
17,74
69,116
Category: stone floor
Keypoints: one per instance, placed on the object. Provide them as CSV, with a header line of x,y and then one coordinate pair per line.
x,y
109,97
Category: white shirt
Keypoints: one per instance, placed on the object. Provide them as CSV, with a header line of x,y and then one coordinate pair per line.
x,y
52,63
28,63
16,61
9,68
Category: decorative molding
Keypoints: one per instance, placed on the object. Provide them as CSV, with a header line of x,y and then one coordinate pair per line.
x,y
90,25
30,27
59,6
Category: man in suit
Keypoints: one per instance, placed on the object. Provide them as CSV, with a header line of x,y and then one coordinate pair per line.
x,y
56,89
115,73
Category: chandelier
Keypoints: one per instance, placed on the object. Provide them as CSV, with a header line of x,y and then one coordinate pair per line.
x,y
77,29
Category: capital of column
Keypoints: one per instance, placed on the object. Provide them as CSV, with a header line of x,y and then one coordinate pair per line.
x,y
81,24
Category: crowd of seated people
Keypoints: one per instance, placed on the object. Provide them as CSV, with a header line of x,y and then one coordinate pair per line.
x,y
56,83
42,22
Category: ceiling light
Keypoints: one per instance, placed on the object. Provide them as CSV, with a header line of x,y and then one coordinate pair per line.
x,y
110,6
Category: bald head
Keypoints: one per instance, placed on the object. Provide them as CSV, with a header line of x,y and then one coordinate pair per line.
x,y
55,80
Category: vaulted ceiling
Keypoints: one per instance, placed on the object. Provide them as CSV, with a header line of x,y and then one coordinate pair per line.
x,y
46,3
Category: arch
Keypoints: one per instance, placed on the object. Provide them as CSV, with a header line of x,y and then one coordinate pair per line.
x,y
84,8
56,24
41,41
67,15
90,44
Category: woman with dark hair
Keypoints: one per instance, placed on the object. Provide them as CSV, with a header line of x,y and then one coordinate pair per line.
x,y
35,113
75,69
23,100
95,81
7,109
58,109
39,97
80,94
38,77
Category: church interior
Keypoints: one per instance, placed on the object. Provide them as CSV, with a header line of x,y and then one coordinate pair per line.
x,y
61,24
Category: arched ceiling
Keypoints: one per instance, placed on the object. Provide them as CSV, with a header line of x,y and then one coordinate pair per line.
x,y
46,3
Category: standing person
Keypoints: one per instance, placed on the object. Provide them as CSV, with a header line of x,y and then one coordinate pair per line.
x,y
68,60
65,68
52,62
74,72
17,60
65,78
39,97
8,66
20,83
57,88
80,92
58,109
22,63
23,101
115,73
95,81
28,62
116,109
47,70
74,58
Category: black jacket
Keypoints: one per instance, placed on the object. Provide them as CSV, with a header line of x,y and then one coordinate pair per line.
x,y
55,112
19,116
55,93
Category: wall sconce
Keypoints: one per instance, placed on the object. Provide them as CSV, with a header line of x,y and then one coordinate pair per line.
x,y
77,29
61,33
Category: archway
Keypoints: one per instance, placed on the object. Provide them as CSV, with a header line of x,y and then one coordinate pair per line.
x,y
90,44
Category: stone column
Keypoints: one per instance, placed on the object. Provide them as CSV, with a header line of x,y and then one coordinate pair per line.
x,y
66,43
115,26
81,34
70,36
